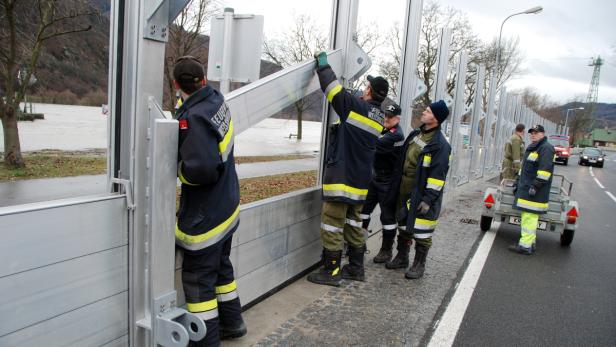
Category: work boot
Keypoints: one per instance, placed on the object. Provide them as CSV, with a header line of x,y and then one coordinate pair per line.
x,y
419,263
385,252
233,332
401,260
354,270
521,249
329,274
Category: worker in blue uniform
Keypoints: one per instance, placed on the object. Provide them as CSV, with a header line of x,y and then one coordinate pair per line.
x,y
209,204
388,148
349,157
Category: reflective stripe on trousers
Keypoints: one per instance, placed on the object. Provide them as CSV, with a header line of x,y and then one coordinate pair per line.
x,y
528,234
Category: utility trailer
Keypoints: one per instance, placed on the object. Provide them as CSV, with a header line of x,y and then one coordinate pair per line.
x,y
562,215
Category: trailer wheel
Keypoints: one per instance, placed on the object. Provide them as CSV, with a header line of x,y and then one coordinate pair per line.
x,y
565,161
566,237
486,223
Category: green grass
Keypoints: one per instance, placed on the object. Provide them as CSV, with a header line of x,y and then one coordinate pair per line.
x,y
54,165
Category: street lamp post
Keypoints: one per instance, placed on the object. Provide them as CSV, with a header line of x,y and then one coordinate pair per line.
x,y
567,117
533,10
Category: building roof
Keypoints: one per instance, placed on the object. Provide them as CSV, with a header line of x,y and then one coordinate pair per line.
x,y
605,135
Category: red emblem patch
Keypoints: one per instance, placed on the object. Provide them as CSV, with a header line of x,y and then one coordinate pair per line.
x,y
392,130
183,124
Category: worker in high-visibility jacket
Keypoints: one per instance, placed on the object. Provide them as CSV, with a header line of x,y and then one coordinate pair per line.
x,y
388,148
418,188
209,204
514,149
350,153
533,188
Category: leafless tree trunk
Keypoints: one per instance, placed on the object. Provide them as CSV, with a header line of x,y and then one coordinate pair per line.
x,y
26,25
186,37
298,44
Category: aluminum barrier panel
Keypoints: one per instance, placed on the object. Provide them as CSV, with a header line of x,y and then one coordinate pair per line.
x,y
64,281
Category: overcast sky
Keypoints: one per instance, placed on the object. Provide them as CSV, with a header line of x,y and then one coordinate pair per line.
x,y
557,43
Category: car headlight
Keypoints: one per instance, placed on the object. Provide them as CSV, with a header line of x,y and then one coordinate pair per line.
x,y
585,157
600,159
565,153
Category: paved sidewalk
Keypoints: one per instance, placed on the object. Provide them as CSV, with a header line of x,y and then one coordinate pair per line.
x,y
29,191
387,309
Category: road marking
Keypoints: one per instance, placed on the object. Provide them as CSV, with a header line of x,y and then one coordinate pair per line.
x,y
449,324
590,170
611,196
599,183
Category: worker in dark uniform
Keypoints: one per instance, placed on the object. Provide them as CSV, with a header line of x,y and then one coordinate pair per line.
x,y
388,148
350,153
533,188
419,180
514,149
209,204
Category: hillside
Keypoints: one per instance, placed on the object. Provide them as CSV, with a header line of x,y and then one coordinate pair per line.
x,y
604,114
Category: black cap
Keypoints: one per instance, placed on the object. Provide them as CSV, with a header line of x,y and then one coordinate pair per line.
x,y
392,110
439,110
537,128
188,69
379,86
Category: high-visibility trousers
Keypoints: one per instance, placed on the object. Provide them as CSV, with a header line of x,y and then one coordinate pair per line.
x,y
211,290
340,221
528,236
377,192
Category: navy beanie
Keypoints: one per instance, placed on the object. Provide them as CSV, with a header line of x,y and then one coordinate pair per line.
x,y
440,111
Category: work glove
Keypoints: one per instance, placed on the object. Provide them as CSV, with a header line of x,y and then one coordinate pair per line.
x,y
532,191
321,58
423,208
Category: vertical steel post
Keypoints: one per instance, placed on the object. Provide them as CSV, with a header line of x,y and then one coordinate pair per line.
x,y
477,111
502,103
440,82
456,116
407,77
487,128
227,52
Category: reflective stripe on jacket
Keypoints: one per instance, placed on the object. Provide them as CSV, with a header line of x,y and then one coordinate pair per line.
x,y
209,202
537,169
432,167
352,142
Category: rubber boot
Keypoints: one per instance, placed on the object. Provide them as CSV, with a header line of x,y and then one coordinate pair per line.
x,y
232,324
401,260
385,252
329,274
354,270
419,263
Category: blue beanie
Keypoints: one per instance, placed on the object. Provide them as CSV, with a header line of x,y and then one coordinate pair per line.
x,y
440,111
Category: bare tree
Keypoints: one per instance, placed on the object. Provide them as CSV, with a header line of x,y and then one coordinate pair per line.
x,y
25,27
186,38
296,45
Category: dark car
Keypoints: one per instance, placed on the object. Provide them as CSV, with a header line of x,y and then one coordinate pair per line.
x,y
591,156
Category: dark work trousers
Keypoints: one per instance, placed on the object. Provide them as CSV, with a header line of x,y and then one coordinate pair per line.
x,y
211,290
377,192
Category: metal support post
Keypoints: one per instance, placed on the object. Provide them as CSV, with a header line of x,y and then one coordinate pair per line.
x,y
440,83
459,108
408,82
477,111
487,128
225,72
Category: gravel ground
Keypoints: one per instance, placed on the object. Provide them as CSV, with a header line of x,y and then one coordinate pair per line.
x,y
388,310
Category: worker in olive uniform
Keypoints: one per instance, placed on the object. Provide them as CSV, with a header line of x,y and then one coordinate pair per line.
x,y
513,154
533,188
349,157
209,204
388,148
418,188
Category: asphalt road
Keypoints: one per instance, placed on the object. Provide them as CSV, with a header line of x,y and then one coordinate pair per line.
x,y
558,296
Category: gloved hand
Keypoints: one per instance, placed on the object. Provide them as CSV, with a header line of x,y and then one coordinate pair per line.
x,y
423,208
321,58
532,191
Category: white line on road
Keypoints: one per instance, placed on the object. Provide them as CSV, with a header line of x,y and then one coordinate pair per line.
x,y
590,170
449,324
599,183
611,196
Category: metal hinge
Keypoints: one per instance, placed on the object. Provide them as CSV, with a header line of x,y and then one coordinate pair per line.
x,y
128,191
